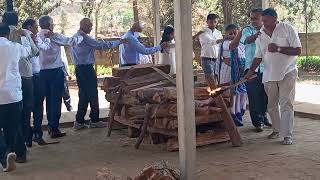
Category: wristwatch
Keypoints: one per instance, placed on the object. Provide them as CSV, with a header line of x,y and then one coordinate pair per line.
x,y
279,49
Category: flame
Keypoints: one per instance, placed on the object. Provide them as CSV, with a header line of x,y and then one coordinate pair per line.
x,y
213,91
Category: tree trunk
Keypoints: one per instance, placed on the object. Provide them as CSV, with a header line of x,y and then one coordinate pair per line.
x,y
227,7
135,10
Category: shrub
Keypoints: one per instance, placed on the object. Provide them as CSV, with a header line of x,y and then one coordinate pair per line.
x,y
311,64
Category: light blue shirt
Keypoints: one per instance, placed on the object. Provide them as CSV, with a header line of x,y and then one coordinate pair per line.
x,y
84,53
250,48
50,54
130,52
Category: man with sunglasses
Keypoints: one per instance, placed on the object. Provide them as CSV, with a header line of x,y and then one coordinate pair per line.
x,y
258,99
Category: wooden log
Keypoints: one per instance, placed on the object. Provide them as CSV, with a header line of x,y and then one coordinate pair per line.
x,y
203,139
125,99
110,82
200,93
140,70
133,132
146,79
144,127
149,95
167,110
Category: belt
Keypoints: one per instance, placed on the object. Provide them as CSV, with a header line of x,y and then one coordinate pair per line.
x,y
27,78
209,59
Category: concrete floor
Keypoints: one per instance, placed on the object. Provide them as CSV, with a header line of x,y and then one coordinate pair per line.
x,y
81,154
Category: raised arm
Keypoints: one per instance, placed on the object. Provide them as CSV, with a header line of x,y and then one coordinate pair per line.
x,y
207,41
236,41
142,49
24,49
66,41
100,45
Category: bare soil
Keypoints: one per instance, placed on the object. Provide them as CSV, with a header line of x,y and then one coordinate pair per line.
x,y
81,154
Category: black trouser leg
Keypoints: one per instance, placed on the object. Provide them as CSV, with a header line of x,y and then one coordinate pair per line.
x,y
258,100
27,94
38,107
88,93
11,122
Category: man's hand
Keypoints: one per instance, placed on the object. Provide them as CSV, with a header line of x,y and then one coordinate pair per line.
x,y
272,47
21,33
34,38
164,45
48,34
124,41
257,35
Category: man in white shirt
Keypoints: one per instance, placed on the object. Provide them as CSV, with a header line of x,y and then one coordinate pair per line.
x,y
52,74
278,47
210,41
11,97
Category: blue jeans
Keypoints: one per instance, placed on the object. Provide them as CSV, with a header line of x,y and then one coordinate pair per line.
x,y
11,139
208,65
52,87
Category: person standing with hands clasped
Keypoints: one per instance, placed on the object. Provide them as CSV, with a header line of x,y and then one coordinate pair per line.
x,y
278,47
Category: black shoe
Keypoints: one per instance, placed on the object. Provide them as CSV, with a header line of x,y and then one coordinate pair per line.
x,y
21,159
57,134
40,141
29,144
268,123
259,128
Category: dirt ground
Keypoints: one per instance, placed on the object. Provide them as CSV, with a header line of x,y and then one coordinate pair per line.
x,y
81,154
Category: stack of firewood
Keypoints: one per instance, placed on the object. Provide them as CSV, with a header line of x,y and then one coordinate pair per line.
x,y
146,100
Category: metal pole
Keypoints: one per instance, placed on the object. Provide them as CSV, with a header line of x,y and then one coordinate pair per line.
x,y
9,5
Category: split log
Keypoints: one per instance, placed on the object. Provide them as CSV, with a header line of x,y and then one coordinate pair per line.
x,y
110,82
211,137
125,99
200,93
166,110
146,79
149,95
140,70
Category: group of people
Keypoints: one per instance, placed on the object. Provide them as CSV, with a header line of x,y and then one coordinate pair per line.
x,y
32,70
264,53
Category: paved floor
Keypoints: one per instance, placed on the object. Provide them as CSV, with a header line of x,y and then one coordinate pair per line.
x,y
81,154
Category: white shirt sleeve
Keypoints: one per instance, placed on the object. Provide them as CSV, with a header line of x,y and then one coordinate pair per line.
x,y
206,40
293,37
43,44
25,48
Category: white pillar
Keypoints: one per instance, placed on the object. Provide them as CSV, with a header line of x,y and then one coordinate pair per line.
x,y
156,26
265,4
185,89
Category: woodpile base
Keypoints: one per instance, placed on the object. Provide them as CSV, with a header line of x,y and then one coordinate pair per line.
x,y
144,98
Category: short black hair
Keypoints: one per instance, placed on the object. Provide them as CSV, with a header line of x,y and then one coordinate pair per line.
x,y
212,17
270,12
4,30
231,27
257,10
28,22
10,18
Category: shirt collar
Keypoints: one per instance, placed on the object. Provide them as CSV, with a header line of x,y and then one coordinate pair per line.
x,y
206,29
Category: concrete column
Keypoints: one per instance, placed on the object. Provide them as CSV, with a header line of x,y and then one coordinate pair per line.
x,y
185,89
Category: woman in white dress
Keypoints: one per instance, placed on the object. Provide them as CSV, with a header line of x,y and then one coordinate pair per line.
x,y
167,55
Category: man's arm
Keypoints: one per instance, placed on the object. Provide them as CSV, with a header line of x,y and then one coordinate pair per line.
x,y
34,49
205,40
290,51
100,45
247,37
24,48
236,41
43,44
66,41
142,49
256,62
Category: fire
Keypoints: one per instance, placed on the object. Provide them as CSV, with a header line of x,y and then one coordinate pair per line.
x,y
213,91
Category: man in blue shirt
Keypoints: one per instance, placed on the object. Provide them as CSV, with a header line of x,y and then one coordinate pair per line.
x,y
258,99
130,53
83,55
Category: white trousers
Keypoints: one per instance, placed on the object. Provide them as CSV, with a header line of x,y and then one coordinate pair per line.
x,y
281,96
